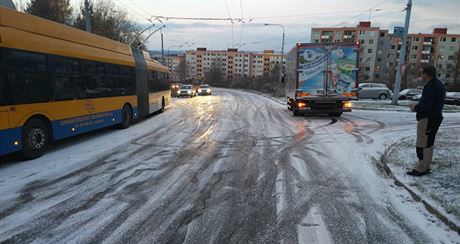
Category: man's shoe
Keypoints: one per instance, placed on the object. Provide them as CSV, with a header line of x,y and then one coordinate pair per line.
x,y
417,174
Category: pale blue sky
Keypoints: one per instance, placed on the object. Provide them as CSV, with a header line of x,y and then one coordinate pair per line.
x,y
298,16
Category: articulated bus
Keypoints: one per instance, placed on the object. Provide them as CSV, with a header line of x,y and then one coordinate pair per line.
x,y
57,82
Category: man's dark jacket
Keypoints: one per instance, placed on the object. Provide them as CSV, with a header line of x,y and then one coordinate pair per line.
x,y
432,100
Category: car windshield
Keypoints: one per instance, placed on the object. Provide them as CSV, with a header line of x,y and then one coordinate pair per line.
x,y
186,87
204,86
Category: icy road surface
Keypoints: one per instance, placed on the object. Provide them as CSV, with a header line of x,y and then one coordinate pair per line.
x,y
234,167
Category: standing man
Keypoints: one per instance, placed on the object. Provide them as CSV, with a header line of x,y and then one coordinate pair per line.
x,y
429,117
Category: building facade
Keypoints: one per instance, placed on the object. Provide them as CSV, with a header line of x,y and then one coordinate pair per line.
x,y
177,66
438,48
373,47
231,63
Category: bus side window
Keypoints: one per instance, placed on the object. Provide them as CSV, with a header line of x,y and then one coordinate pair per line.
x,y
63,71
27,77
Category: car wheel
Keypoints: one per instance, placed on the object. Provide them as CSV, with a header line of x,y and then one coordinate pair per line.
x,y
35,139
383,96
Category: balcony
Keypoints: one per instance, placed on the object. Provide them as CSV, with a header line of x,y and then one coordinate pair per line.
x,y
424,61
427,43
325,37
348,37
426,51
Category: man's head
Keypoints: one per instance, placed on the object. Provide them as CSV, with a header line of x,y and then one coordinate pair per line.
x,y
428,73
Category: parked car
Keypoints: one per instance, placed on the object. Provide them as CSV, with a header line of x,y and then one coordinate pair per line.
x,y
186,91
204,90
452,98
374,91
409,93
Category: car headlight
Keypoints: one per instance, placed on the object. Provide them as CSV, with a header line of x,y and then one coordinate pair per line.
x,y
178,92
209,90
199,90
189,92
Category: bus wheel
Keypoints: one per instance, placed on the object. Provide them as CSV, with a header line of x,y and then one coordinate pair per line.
x,y
126,114
35,139
163,105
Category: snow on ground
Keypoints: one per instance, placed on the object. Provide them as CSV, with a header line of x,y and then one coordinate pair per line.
x,y
403,105
232,167
442,186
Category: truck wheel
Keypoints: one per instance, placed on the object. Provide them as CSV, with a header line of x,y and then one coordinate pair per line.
x,y
126,115
383,96
335,114
35,139
296,112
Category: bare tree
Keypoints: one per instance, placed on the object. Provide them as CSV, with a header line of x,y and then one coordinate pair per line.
x,y
55,10
110,21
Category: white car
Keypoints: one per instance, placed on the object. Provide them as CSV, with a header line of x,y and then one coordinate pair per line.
x,y
204,90
186,91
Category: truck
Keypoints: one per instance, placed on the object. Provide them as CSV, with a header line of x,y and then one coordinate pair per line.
x,y
322,78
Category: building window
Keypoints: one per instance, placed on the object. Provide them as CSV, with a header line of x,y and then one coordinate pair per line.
x,y
393,46
414,56
316,41
379,60
377,76
447,75
368,68
382,34
414,47
451,58
453,39
361,41
452,48
369,50
371,41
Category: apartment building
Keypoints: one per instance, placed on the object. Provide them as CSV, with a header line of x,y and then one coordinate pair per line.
x,y
177,66
438,48
373,52
231,63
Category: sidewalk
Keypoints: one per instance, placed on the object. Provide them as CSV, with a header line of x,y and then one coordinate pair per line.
x,y
440,190
403,105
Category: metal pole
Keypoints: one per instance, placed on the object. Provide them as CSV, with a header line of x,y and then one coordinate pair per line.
x,y
402,55
282,57
162,49
87,17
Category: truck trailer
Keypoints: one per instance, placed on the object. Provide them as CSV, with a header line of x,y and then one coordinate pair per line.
x,y
322,78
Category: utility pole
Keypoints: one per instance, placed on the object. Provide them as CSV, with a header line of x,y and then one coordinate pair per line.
x,y
162,49
282,51
402,55
87,16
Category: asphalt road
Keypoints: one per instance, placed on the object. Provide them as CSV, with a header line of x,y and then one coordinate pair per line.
x,y
234,167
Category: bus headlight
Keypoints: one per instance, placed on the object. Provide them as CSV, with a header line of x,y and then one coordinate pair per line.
x,y
199,90
301,105
178,92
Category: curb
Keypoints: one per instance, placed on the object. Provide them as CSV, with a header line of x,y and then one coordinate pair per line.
x,y
430,208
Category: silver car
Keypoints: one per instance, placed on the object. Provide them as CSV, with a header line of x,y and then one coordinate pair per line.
x,y
186,91
374,91
409,93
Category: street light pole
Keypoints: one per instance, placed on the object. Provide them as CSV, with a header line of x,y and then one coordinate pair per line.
x,y
402,55
87,17
282,52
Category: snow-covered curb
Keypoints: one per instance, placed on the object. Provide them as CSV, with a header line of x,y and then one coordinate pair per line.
x,y
397,173
402,106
